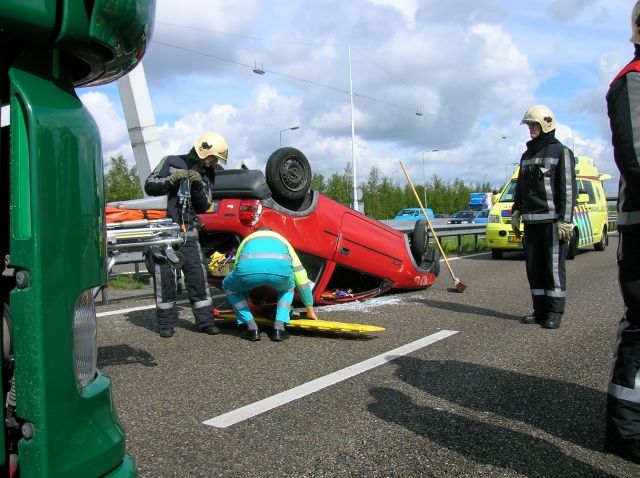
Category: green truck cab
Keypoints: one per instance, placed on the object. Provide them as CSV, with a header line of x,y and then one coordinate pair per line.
x,y
58,415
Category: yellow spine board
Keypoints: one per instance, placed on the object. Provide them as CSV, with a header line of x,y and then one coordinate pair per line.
x,y
310,324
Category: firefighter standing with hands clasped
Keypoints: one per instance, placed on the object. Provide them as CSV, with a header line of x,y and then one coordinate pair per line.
x,y
622,435
544,201
188,175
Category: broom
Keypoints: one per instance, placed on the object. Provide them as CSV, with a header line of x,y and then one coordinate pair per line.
x,y
457,283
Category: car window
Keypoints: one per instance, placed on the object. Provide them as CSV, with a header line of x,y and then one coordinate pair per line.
x,y
313,265
509,192
588,187
599,191
483,213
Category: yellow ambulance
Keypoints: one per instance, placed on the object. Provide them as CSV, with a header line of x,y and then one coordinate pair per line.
x,y
590,216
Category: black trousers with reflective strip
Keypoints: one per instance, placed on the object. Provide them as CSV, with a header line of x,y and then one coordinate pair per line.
x,y
165,286
545,256
623,398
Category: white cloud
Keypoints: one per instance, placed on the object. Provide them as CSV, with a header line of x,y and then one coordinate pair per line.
x,y
471,68
113,130
408,8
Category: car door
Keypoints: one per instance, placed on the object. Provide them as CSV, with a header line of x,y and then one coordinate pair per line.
x,y
369,246
597,207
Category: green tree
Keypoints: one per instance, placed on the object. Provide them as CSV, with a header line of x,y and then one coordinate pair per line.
x,y
318,184
121,182
382,199
339,187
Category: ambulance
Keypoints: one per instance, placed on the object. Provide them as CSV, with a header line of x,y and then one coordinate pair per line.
x,y
590,216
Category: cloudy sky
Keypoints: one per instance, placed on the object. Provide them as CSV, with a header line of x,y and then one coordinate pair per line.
x,y
470,67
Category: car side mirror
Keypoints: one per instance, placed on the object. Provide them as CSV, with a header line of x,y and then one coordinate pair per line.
x,y
583,197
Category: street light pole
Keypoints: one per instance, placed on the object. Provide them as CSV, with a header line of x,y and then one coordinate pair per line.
x,y
424,177
506,172
506,165
353,138
287,129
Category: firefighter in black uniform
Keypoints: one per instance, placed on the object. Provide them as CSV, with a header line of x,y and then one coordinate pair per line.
x,y
622,435
544,201
179,177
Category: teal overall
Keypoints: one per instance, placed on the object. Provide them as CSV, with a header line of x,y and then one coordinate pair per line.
x,y
265,258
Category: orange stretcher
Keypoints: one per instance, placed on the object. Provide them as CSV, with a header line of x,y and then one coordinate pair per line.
x,y
115,214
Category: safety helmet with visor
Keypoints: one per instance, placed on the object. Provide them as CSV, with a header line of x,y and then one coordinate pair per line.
x,y
212,143
542,115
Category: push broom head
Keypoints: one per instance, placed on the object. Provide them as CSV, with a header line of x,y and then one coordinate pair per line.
x,y
459,285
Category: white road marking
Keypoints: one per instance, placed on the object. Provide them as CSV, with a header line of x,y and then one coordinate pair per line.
x,y
235,416
466,256
146,307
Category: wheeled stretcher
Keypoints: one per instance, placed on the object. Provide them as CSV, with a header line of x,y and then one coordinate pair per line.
x,y
138,226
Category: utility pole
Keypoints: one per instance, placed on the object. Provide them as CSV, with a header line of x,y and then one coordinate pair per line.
x,y
353,139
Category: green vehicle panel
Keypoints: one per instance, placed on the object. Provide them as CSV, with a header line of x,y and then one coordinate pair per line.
x,y
57,423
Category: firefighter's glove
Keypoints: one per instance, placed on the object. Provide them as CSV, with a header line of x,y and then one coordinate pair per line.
x,y
194,176
565,231
178,175
515,223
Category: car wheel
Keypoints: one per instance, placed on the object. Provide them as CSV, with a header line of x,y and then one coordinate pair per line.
x,y
604,241
419,240
496,254
288,174
435,268
573,246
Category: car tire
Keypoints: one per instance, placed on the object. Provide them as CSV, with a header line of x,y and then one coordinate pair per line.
x,y
288,174
419,240
496,254
435,268
572,251
604,241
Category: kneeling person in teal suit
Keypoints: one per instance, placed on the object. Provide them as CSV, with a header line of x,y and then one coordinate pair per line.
x,y
267,258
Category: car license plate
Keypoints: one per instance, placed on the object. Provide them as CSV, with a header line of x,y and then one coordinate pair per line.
x,y
515,239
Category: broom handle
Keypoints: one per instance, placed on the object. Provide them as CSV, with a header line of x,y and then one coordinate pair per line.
x,y
435,237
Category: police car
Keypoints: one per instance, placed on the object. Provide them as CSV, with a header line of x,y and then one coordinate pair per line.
x,y
590,216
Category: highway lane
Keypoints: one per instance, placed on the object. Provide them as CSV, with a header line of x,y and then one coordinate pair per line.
x,y
496,398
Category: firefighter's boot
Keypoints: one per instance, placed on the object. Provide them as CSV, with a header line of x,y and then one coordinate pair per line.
x,y
552,320
533,318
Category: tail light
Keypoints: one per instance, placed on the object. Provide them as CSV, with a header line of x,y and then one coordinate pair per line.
x,y
85,348
250,212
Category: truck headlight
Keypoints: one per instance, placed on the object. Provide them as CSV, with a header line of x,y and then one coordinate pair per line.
x,y
85,347
494,218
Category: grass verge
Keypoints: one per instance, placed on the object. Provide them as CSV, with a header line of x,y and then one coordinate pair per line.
x,y
128,282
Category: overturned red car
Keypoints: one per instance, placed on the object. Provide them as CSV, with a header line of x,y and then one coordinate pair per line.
x,y
347,255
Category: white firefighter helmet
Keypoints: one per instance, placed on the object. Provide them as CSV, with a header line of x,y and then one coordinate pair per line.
x,y
211,143
635,24
542,115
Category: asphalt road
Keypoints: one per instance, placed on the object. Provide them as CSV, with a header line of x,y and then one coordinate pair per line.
x,y
496,398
